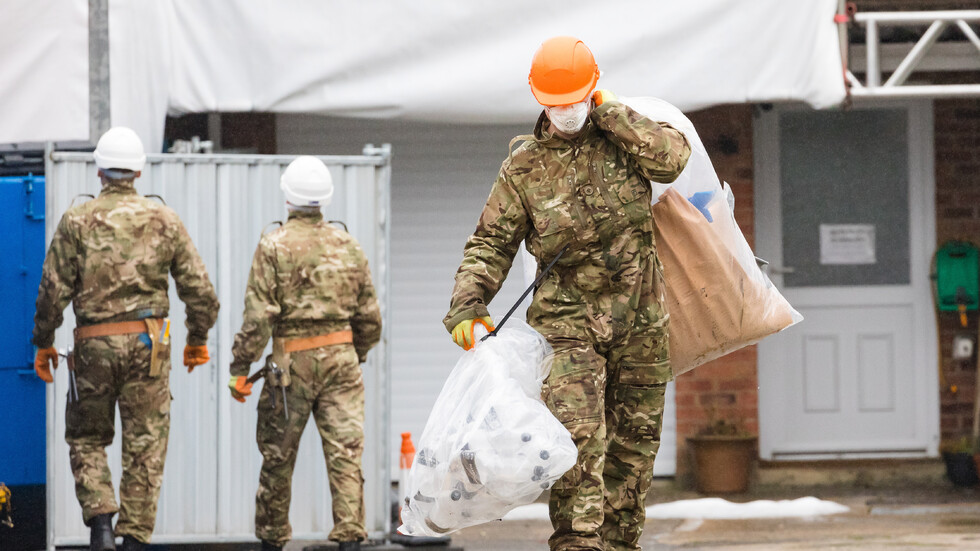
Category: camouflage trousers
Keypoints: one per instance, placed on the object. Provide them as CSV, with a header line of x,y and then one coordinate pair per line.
x,y
614,412
111,370
327,383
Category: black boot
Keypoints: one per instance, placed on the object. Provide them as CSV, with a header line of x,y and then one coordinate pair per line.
x,y
101,537
350,546
132,544
266,546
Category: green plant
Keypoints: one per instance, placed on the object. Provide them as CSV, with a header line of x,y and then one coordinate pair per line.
x,y
717,426
964,444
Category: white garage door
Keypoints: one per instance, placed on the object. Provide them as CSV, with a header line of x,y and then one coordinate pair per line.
x,y
441,176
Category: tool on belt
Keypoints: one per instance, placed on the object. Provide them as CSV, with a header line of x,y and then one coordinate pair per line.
x,y
69,356
276,370
156,329
276,378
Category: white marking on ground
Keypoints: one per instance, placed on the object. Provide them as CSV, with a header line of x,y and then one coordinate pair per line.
x,y
717,508
711,508
690,525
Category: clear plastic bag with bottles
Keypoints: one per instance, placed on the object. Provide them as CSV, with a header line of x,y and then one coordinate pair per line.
x,y
490,443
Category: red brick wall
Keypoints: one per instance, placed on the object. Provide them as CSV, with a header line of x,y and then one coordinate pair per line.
x,y
727,387
957,143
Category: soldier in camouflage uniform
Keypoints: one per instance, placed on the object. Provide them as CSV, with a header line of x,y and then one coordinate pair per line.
x,y
310,289
580,183
111,257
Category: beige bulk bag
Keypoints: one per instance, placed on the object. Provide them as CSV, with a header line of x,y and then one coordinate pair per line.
x,y
718,298
715,306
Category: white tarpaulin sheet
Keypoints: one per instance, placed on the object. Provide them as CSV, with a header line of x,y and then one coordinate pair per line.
x,y
440,60
43,70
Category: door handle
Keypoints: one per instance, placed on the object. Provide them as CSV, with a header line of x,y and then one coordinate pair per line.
x,y
779,270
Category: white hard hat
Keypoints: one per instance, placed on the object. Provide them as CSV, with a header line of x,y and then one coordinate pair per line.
x,y
307,182
120,148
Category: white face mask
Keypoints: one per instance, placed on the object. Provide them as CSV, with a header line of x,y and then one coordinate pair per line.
x,y
569,119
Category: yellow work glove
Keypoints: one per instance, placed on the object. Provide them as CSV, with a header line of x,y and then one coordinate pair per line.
x,y
195,356
601,96
240,388
463,332
43,357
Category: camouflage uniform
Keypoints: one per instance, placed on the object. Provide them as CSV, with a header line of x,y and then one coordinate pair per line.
x,y
111,257
309,278
602,307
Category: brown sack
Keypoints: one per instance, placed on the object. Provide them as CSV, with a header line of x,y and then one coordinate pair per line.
x,y
714,306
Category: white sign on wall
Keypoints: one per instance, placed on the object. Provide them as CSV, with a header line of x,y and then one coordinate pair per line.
x,y
847,244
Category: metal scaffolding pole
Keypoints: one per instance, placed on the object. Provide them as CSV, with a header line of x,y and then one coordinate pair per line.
x,y
98,68
896,86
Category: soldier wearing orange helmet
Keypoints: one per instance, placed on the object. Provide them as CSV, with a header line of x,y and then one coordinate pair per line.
x,y
580,186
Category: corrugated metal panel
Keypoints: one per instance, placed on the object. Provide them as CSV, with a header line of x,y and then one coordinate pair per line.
x,y
212,465
441,176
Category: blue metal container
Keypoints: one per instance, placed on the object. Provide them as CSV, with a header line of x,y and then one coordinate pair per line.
x,y
21,392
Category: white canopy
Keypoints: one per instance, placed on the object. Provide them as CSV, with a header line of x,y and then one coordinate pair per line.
x,y
436,60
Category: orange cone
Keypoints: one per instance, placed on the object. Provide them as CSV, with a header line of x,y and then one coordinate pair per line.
x,y
405,464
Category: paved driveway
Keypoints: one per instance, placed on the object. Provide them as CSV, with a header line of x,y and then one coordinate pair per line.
x,y
872,523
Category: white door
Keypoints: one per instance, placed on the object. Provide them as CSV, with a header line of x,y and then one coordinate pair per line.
x,y
844,211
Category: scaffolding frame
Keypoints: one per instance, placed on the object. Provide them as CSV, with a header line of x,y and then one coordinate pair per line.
x,y
896,85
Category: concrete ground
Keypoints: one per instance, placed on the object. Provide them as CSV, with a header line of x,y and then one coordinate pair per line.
x,y
893,506
893,519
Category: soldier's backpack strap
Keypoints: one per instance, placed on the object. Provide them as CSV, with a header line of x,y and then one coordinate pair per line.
x,y
155,196
522,138
341,222
277,223
75,198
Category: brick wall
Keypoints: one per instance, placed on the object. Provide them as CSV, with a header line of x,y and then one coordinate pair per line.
x,y
957,135
727,387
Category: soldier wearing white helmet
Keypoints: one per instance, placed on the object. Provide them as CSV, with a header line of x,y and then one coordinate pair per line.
x,y
103,259
306,182
120,149
310,290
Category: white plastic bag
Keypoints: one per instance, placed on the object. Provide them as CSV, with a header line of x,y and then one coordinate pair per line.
x,y
490,443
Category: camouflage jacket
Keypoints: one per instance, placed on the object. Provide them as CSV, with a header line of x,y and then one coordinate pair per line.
x,y
111,257
308,278
591,194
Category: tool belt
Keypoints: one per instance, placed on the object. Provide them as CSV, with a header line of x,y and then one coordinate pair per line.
x,y
157,329
309,343
283,347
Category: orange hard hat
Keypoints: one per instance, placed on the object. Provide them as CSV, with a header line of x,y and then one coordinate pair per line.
x,y
563,71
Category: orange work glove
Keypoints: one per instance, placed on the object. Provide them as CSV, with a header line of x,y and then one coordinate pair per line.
x,y
41,360
240,388
463,332
195,356
601,96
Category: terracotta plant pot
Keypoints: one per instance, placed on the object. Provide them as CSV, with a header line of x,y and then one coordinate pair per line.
x,y
723,464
